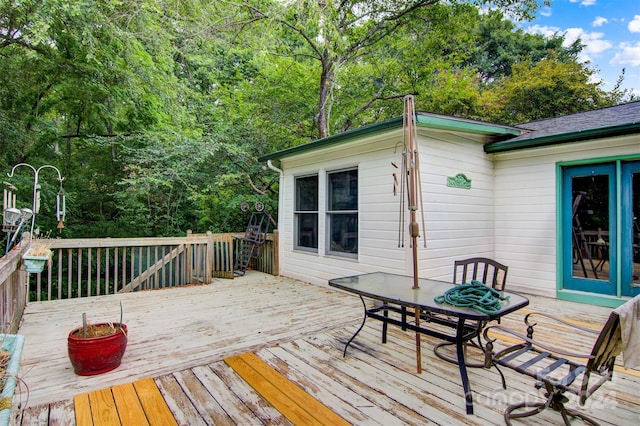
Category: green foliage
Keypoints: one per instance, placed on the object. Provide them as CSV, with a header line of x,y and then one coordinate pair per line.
x,y
155,111
498,46
547,89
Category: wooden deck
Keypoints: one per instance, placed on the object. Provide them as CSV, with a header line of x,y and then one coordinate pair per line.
x,y
139,403
181,337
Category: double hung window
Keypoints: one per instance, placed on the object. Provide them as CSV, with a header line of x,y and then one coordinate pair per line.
x,y
306,213
342,212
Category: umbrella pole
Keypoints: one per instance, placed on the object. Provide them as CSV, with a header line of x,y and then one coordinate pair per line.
x,y
414,248
414,227
411,163
418,346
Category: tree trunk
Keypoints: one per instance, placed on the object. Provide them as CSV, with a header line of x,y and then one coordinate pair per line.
x,y
326,81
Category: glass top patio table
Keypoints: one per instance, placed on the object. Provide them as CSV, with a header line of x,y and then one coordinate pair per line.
x,y
398,290
394,288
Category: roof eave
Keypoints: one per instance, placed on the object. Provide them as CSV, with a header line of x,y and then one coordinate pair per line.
x,y
578,136
424,120
460,125
333,140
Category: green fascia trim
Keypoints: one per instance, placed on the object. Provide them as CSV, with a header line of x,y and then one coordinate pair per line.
x,y
598,160
423,120
466,126
591,298
336,139
620,130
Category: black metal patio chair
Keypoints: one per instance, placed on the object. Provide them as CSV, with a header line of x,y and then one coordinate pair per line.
x,y
492,274
488,271
557,370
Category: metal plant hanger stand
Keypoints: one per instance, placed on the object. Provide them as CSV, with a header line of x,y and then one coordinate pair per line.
x,y
14,219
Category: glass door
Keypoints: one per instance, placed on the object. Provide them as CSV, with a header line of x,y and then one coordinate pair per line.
x,y
630,249
589,224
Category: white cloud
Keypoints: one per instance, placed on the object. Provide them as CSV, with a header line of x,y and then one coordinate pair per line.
x,y
588,3
542,30
545,11
634,25
599,21
593,41
629,54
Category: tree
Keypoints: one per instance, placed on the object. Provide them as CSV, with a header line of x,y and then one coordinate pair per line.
x,y
336,33
156,111
498,46
548,89
80,80
465,58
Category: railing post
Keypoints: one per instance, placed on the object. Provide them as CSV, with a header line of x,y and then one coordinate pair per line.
x,y
276,253
13,289
209,258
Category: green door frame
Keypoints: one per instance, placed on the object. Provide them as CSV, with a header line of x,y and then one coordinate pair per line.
x,y
578,296
602,285
629,227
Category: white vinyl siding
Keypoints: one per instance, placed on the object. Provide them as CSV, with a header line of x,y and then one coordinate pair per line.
x,y
509,214
459,222
525,204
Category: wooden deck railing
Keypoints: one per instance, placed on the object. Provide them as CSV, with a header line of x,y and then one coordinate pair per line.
x,y
13,291
92,267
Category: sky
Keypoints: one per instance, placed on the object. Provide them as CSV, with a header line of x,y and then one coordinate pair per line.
x,y
609,29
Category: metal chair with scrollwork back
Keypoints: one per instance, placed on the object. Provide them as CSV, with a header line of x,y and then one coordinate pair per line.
x,y
487,271
555,369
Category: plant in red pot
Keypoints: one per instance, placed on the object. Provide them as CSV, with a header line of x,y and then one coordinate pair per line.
x,y
97,348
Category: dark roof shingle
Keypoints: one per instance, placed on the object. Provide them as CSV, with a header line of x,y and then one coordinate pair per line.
x,y
618,115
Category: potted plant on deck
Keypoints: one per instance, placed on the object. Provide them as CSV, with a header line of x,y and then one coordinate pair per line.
x,y
38,254
97,348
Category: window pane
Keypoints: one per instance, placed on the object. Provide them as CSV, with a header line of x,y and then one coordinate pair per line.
x,y
307,193
591,226
306,212
344,232
307,232
343,190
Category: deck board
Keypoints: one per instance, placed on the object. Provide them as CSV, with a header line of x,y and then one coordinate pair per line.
x,y
172,330
139,403
179,403
103,410
129,406
240,389
152,403
82,407
288,398
374,384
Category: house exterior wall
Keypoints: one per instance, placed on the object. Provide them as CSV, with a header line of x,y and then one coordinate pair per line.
x,y
459,222
526,197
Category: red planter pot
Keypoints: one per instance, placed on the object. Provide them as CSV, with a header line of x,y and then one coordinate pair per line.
x,y
96,355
